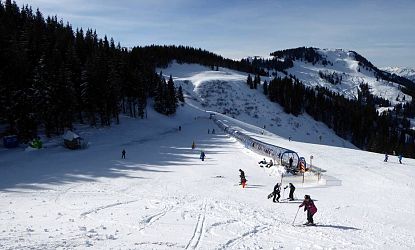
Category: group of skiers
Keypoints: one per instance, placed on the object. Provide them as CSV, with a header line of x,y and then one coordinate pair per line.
x,y
387,158
307,203
266,164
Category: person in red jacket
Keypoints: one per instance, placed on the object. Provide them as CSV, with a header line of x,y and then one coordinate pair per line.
x,y
311,209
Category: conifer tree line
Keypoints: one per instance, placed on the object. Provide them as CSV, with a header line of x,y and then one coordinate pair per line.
x,y
354,120
52,75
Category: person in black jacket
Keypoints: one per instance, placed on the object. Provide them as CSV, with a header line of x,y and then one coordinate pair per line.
x,y
277,191
292,189
242,176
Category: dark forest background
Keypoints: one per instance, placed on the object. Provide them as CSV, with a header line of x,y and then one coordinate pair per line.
x,y
52,76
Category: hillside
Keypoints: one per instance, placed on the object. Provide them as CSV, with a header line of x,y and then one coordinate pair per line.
x,y
342,71
225,91
162,196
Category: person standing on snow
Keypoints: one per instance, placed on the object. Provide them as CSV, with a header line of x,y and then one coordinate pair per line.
x,y
386,158
243,179
202,155
193,145
123,154
311,209
291,162
292,189
276,193
400,158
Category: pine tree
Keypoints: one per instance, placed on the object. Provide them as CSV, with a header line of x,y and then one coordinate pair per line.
x,y
180,96
171,97
250,82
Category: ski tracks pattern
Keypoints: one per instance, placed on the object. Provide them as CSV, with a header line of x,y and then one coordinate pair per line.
x,y
97,209
199,229
149,220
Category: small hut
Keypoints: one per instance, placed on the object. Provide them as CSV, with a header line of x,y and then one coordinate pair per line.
x,y
73,141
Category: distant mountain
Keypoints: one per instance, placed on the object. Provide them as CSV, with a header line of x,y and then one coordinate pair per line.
x,y
404,72
338,70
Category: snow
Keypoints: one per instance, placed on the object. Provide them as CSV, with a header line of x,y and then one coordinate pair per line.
x,y
69,135
162,196
401,71
345,65
225,91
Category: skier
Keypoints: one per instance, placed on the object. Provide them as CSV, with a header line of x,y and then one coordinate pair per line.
x,y
243,179
289,138
270,164
311,209
386,158
400,158
202,155
213,131
193,145
292,189
291,163
262,162
123,154
276,193
180,128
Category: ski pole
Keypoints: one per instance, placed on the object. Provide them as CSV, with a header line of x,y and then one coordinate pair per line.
x,y
296,215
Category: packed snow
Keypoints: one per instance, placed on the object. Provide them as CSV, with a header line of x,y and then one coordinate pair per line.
x,y
162,196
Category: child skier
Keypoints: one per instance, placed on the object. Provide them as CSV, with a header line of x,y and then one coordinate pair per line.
x,y
276,193
311,209
202,155
243,179
386,158
193,145
123,154
400,159
292,189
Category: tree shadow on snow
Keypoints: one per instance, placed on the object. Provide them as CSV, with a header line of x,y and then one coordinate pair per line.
x,y
22,171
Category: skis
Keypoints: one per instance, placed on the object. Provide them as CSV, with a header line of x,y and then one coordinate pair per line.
x,y
306,225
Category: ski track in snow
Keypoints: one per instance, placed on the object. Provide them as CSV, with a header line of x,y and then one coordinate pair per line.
x,y
163,197
199,229
97,209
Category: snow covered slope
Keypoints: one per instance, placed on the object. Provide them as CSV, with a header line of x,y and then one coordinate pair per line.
x,y
225,91
343,64
162,196
404,72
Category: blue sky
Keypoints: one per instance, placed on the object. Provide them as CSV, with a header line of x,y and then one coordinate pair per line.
x,y
383,31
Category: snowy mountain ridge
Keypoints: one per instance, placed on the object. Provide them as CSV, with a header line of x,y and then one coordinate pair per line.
x,y
401,71
340,71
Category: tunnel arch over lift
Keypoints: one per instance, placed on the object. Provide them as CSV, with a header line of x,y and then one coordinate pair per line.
x,y
285,159
280,155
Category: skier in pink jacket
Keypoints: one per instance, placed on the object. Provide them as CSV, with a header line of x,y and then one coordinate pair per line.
x,y
311,209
